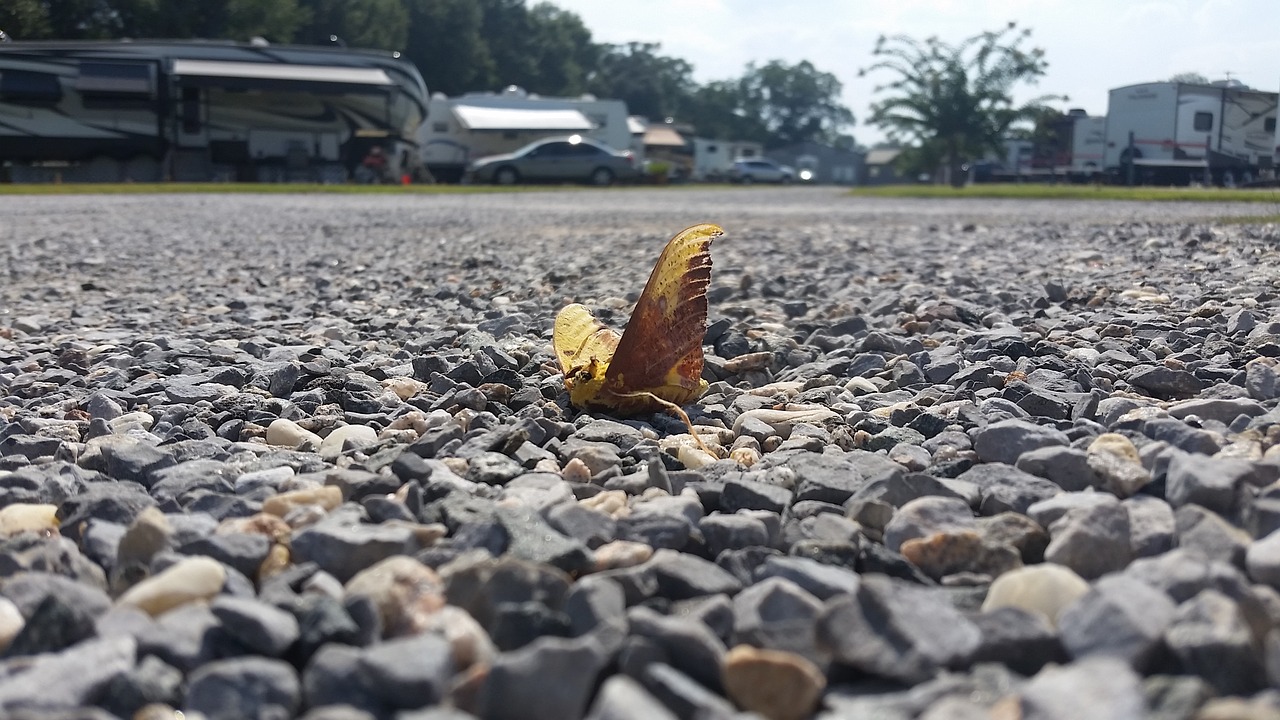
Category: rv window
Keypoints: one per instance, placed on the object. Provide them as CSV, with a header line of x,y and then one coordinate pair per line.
x,y
115,79
1269,125
1202,122
30,88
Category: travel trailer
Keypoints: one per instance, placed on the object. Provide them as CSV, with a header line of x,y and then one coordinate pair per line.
x,y
114,111
465,128
1175,133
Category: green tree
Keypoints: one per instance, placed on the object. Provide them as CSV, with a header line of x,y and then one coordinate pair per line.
x,y
716,110
956,99
25,19
561,47
59,19
652,85
1194,78
795,103
275,20
445,42
381,24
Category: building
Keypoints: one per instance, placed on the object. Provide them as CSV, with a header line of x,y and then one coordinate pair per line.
x,y
826,165
880,167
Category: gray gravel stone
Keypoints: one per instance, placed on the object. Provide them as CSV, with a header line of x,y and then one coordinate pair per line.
x,y
1006,441
1211,637
244,688
549,679
897,631
1119,617
1092,540
1103,688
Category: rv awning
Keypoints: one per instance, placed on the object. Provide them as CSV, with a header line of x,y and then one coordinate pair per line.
x,y
635,125
243,75
660,135
475,117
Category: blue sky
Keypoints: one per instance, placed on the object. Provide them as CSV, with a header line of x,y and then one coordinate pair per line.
x,y
1092,45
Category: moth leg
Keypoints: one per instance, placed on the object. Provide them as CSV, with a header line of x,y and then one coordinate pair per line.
x,y
676,409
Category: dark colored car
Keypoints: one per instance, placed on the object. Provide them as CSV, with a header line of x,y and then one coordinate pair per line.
x,y
564,159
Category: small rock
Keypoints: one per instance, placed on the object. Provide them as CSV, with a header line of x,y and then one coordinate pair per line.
x,y
248,687
189,580
926,516
1045,589
28,517
1091,540
775,684
339,440
1099,688
1119,617
1005,441
289,434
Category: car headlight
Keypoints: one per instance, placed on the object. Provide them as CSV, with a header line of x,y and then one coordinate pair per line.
x,y
806,175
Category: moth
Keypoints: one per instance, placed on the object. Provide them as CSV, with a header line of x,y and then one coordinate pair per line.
x,y
656,363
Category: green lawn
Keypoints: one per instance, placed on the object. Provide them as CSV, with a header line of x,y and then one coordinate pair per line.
x,y
1073,192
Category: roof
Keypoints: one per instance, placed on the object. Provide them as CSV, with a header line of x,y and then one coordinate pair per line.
x,y
883,156
663,135
280,71
475,117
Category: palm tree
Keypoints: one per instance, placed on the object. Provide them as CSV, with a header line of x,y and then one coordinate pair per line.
x,y
955,100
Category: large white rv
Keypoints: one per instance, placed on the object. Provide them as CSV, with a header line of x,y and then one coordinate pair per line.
x,y
199,110
464,128
1172,132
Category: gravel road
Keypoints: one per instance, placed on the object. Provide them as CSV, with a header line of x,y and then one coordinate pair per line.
x,y
309,456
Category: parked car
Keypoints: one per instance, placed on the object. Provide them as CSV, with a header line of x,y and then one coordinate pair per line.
x,y
754,170
559,159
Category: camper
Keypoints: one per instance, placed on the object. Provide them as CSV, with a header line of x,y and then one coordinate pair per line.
x,y
111,111
1081,140
464,128
1179,133
713,159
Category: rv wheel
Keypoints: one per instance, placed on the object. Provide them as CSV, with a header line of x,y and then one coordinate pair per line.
x,y
506,176
602,177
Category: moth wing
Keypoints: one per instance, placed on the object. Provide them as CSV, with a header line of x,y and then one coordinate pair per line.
x,y
579,336
662,343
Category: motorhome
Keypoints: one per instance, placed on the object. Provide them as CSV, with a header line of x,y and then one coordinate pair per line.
x,y
203,110
1176,133
464,128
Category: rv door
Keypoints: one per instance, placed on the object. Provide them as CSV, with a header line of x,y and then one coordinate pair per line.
x,y
192,118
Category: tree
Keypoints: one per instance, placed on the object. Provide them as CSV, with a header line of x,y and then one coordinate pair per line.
x,y
795,103
955,98
1193,78
652,85
562,51
60,19
381,24
716,111
275,20
444,41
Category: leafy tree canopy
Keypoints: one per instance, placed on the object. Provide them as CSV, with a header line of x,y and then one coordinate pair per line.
x,y
955,100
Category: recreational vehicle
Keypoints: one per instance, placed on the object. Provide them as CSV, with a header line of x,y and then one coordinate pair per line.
x,y
465,128
1176,133
202,110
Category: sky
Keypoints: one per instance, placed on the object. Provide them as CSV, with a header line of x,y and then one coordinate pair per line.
x,y
1092,46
